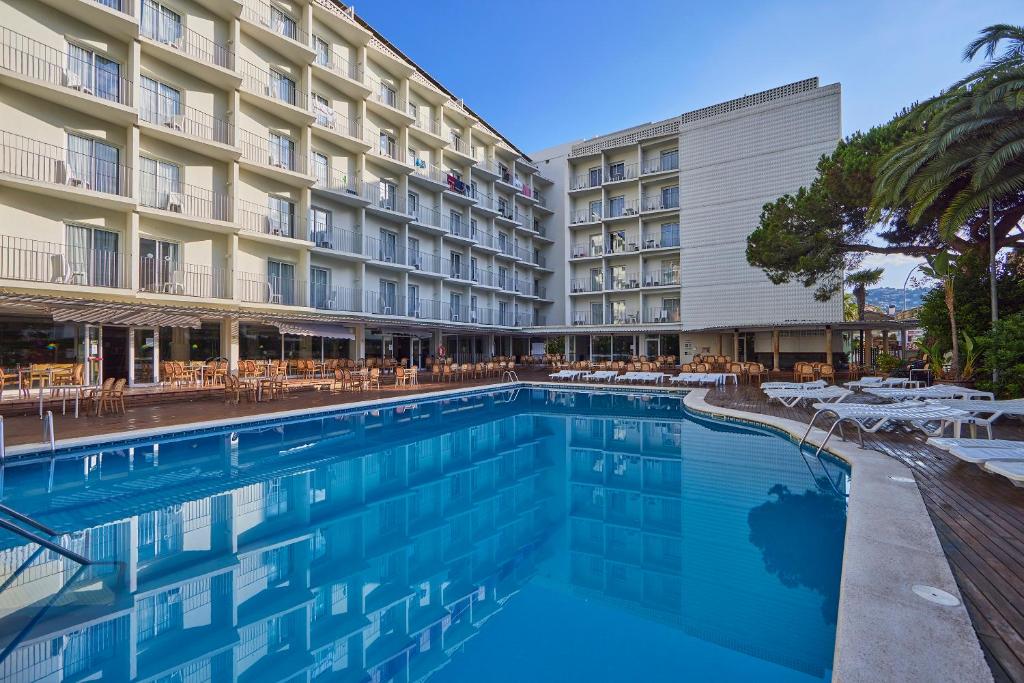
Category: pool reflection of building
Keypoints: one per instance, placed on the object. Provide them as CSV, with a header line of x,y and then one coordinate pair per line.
x,y
377,564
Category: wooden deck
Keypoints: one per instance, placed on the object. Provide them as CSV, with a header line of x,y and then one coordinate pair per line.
x,y
979,518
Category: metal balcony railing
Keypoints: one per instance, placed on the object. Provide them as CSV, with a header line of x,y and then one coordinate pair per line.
x,y
385,304
505,210
662,315
75,69
607,316
584,216
425,123
505,247
386,149
165,276
327,236
487,165
483,277
456,225
457,313
460,145
662,240
426,215
666,162
582,285
541,199
521,217
541,291
523,253
327,298
384,250
265,289
585,181
254,217
169,112
483,238
624,208
31,260
618,172
326,117
262,82
336,181
429,170
271,18
661,277
621,244
164,29
40,161
387,199
586,249
333,61
263,150
524,287
169,194
661,202
428,263
485,201
624,280
384,94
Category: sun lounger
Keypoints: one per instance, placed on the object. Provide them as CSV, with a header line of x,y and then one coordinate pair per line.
x,y
790,396
983,413
947,443
871,417
600,376
816,384
937,391
979,455
565,374
864,382
1011,469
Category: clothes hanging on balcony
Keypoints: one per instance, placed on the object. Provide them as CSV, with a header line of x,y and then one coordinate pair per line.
x,y
460,186
451,182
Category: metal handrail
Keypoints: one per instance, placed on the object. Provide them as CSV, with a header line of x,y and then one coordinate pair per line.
x,y
11,512
39,540
48,429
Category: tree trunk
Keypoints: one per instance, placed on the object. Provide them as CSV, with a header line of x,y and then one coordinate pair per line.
x,y
955,367
862,295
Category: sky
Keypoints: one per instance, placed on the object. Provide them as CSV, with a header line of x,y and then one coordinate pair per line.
x,y
545,72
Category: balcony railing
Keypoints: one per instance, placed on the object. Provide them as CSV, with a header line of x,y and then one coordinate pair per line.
x,y
585,181
382,94
336,181
383,304
506,211
162,29
618,172
334,62
458,270
40,161
667,162
30,58
484,238
327,298
327,118
425,123
584,216
456,225
524,287
254,217
661,315
263,150
540,199
483,277
265,289
484,200
426,215
386,150
169,194
428,263
541,291
661,240
37,261
624,208
383,250
161,110
608,316
521,218
327,236
661,202
622,244
661,278
523,253
430,171
262,82
388,200
460,145
582,285
488,165
164,276
586,249
262,14
624,280
505,247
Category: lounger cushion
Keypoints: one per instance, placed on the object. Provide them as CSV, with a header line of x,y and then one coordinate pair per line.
x,y
1012,470
946,443
986,454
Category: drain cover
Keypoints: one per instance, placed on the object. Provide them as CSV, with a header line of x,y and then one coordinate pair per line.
x,y
902,480
936,595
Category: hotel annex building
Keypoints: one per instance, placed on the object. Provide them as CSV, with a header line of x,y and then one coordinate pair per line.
x,y
251,179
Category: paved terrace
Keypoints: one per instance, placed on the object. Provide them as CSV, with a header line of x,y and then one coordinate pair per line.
x,y
979,518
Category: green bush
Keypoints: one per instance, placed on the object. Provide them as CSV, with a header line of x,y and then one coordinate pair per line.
x,y
887,362
1003,349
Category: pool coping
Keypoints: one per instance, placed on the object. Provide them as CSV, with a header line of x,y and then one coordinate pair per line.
x,y
884,631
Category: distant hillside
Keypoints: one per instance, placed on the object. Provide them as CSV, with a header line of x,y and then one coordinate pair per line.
x,y
883,296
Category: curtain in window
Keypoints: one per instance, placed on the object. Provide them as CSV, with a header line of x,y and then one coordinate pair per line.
x,y
79,68
108,79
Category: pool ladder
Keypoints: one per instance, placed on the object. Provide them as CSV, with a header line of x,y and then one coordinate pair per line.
x,y
36,538
510,376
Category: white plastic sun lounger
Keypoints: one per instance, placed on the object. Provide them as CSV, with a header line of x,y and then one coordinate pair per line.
x,y
983,413
600,376
697,378
870,418
935,391
816,384
789,397
565,374
864,382
946,444
979,455
1011,469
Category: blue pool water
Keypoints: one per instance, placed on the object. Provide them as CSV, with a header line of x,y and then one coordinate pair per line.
x,y
532,535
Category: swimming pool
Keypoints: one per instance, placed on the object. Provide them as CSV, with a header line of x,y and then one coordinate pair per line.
x,y
527,535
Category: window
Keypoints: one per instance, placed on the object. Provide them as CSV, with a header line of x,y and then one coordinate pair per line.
x,y
282,87
669,160
456,222
414,110
161,24
161,185
616,206
323,51
323,111
455,301
670,234
414,300
456,264
161,104
320,225
280,216
93,74
388,297
616,171
94,252
388,147
388,192
283,24
387,94
502,276
595,176
503,316
281,278
596,280
319,287
595,210
669,197
159,266
388,246
282,151
321,167
473,272
414,204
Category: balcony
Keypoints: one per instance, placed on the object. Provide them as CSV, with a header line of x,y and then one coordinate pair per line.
x,y
426,217
585,217
385,200
458,191
388,152
661,164
666,277
460,147
180,46
487,166
36,166
388,103
259,288
385,304
665,239
622,209
340,129
28,260
523,253
274,159
621,243
428,174
622,280
506,214
585,181
618,173
485,203
523,287
665,201
582,250
257,219
279,31
505,248
344,186
332,238
170,200
275,93
457,227
165,276
426,124
459,271
607,316
521,218
662,315
166,118
586,285
484,277
324,297
484,239
384,250
68,79
347,76
428,264
113,17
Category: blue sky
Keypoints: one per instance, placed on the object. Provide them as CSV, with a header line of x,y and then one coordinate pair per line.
x,y
550,71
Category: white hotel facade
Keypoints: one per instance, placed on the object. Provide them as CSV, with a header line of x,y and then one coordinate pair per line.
x,y
260,179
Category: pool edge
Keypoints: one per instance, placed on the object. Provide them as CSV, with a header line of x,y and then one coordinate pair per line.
x,y
885,631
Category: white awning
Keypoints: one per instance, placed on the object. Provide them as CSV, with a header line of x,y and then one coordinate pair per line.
x,y
315,330
118,315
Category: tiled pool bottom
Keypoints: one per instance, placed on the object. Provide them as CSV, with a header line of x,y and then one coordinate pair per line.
x,y
531,535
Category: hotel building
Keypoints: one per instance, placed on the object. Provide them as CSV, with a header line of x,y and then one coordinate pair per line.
x,y
242,178
653,221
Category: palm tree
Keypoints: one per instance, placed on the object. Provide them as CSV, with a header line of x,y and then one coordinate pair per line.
x,y
861,280
943,268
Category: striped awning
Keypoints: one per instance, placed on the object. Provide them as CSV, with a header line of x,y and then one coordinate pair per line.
x,y
119,315
315,330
